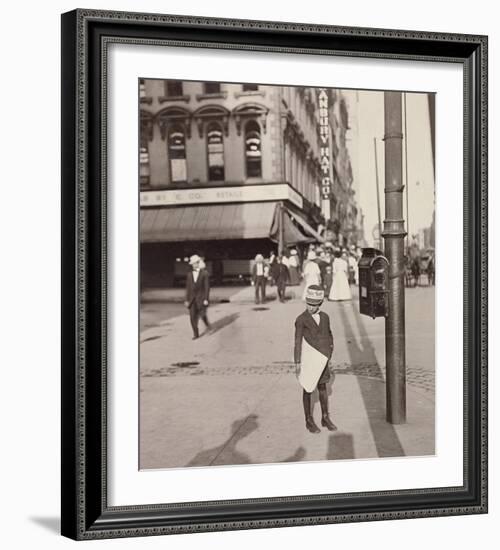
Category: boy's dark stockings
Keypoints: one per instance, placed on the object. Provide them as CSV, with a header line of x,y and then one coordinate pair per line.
x,y
310,424
325,418
323,400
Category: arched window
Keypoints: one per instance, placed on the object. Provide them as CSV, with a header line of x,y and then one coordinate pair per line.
x,y
177,153
215,152
145,136
143,162
253,150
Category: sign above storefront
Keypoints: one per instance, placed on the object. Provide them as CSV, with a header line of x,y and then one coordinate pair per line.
x,y
325,152
245,193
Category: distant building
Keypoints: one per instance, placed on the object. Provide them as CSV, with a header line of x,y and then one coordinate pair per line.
x,y
345,216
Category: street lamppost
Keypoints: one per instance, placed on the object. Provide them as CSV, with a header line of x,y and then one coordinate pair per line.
x,y
394,234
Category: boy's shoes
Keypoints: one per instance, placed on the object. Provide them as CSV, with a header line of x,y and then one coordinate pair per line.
x,y
311,425
328,424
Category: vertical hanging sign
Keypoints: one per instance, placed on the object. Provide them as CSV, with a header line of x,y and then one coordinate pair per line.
x,y
324,134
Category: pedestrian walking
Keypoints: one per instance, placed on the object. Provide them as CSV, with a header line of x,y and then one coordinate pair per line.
x,y
431,272
197,292
260,272
293,267
340,285
312,352
270,268
328,280
282,277
353,267
312,273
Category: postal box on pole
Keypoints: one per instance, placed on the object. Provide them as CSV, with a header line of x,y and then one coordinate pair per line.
x,y
373,283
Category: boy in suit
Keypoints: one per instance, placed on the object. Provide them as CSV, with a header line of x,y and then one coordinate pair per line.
x,y
197,290
313,326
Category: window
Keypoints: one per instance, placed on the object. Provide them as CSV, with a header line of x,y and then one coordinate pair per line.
x,y
253,150
215,152
144,163
250,87
177,153
142,88
173,88
145,136
211,88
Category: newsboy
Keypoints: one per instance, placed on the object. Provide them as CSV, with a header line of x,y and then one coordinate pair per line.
x,y
197,291
312,352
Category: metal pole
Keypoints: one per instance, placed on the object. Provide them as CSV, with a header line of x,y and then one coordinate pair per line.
x,y
407,187
378,195
281,229
394,234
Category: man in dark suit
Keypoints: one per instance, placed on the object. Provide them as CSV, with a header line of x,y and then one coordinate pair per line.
x,y
313,326
197,290
281,276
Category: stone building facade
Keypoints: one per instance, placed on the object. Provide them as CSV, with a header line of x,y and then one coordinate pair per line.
x,y
226,171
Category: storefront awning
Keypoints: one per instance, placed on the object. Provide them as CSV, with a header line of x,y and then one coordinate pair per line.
x,y
291,233
256,220
307,228
207,222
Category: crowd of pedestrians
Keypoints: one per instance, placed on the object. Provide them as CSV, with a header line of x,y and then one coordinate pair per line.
x,y
332,268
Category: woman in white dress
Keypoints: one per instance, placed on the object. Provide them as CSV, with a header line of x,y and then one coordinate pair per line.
x,y
312,273
340,286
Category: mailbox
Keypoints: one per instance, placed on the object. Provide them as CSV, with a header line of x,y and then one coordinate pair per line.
x,y
373,283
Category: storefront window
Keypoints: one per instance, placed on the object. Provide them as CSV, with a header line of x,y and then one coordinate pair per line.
x,y
253,150
177,154
215,152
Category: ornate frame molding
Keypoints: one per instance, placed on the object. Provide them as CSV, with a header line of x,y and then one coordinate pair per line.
x,y
85,513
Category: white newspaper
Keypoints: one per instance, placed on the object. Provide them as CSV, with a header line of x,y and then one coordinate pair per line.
x,y
312,365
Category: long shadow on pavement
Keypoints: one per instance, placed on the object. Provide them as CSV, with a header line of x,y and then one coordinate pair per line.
x,y
239,430
372,391
219,324
297,456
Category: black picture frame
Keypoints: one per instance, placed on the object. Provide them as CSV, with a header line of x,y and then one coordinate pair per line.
x,y
85,513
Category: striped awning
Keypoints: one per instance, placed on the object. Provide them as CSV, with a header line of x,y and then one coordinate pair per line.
x,y
207,222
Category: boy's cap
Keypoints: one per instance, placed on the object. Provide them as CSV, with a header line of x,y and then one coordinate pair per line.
x,y
314,295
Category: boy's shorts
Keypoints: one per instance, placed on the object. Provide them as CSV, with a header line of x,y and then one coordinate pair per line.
x,y
325,376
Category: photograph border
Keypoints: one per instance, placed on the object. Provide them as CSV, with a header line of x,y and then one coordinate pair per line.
x,y
86,35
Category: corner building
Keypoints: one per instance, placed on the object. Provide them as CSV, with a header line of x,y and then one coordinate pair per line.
x,y
226,171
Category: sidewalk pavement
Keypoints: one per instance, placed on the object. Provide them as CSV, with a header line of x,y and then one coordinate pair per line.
x,y
231,397
218,294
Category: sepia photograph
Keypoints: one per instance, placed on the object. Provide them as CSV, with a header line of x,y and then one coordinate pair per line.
x,y
287,273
